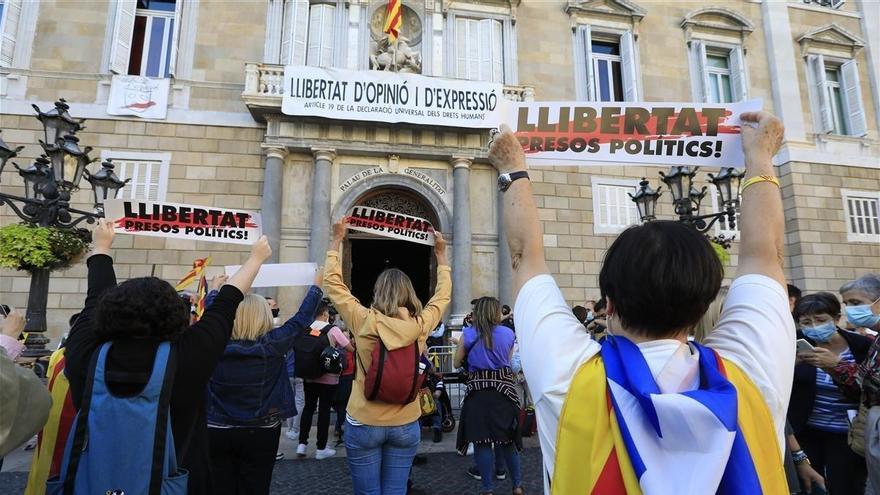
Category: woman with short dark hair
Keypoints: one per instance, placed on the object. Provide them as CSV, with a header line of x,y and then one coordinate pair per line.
x,y
137,316
819,401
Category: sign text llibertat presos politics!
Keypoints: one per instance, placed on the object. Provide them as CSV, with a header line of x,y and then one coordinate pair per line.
x,y
391,224
383,96
637,133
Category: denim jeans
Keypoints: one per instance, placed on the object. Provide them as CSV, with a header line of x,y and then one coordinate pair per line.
x,y
488,463
380,457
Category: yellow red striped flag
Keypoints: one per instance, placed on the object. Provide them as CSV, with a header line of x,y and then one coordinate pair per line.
x,y
199,266
201,295
393,20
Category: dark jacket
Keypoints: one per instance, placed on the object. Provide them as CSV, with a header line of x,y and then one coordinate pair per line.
x,y
803,391
250,385
198,350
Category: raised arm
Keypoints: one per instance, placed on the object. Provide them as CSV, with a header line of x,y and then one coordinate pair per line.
x,y
281,339
244,277
433,311
762,224
519,211
348,306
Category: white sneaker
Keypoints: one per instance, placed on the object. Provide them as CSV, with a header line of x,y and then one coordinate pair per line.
x,y
301,450
324,454
292,435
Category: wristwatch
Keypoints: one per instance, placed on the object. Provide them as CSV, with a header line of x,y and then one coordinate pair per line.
x,y
505,180
800,457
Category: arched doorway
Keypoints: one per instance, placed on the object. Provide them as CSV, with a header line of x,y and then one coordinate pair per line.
x,y
367,255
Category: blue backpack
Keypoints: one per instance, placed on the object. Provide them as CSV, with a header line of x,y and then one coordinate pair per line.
x,y
123,445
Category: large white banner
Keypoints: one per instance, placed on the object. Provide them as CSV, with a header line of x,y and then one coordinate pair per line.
x,y
139,96
197,223
382,96
391,224
593,133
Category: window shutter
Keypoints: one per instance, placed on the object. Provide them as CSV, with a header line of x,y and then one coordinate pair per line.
x,y
295,31
494,51
738,75
825,121
853,94
700,53
485,38
321,35
461,48
175,36
11,15
628,67
123,30
586,40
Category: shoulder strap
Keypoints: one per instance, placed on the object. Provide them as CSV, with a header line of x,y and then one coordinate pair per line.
x,y
78,441
327,328
166,356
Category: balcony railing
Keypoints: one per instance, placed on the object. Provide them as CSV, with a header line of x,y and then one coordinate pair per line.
x,y
264,83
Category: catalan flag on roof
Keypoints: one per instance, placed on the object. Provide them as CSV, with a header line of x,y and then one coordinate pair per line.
x,y
393,20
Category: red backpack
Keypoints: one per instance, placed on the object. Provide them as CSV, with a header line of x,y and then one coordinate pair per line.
x,y
394,376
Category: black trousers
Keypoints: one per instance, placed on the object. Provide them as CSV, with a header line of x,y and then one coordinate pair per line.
x,y
340,401
242,459
320,396
844,471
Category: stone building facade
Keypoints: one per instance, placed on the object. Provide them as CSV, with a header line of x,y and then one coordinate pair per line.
x,y
226,142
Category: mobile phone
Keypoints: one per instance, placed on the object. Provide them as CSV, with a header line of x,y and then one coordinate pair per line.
x,y
804,346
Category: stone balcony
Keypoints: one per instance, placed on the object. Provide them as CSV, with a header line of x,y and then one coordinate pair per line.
x,y
264,87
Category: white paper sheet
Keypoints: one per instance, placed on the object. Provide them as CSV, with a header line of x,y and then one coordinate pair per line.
x,y
281,274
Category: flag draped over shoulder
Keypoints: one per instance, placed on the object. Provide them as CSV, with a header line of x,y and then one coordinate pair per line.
x,y
198,268
393,20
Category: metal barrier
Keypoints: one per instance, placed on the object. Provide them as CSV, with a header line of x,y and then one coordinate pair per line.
x,y
441,357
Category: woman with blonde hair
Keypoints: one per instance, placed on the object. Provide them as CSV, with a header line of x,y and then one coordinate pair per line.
x,y
491,407
381,438
250,395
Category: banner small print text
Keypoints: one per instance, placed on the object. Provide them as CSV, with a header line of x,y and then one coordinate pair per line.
x,y
588,133
177,221
391,224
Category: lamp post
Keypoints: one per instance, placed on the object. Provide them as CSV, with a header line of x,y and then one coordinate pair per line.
x,y
48,184
686,198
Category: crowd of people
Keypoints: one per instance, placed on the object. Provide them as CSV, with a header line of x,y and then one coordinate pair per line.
x,y
765,389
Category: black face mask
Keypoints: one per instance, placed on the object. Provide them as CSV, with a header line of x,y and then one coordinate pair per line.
x,y
276,312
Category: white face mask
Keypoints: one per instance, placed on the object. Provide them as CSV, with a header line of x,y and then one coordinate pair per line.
x,y
276,321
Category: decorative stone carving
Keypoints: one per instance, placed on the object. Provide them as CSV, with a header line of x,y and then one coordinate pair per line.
x,y
400,203
396,56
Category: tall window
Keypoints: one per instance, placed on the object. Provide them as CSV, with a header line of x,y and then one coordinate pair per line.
x,y
613,210
837,96
152,39
607,83
717,72
10,13
322,36
309,32
862,210
606,67
145,37
148,173
479,50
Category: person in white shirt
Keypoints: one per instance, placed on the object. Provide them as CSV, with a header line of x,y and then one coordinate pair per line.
x,y
658,279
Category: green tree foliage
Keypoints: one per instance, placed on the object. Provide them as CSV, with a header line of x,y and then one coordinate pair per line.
x,y
27,247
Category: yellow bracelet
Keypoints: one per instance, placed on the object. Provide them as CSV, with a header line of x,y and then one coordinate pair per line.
x,y
758,178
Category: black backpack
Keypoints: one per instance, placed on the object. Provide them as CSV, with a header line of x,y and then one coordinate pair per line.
x,y
308,349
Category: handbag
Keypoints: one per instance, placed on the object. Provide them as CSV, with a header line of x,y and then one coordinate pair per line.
x,y
856,434
426,402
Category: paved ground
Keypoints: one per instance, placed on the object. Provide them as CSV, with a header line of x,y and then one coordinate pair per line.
x,y
443,474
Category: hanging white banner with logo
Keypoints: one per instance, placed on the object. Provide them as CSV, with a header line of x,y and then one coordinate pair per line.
x,y
390,224
384,96
139,96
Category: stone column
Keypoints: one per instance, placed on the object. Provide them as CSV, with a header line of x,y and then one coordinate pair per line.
x,y
273,180
505,269
783,69
461,238
319,220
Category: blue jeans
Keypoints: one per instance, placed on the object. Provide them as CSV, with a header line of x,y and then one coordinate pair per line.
x,y
488,463
380,457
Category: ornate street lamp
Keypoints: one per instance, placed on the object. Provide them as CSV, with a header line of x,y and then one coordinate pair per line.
x,y
6,153
646,200
687,199
48,183
105,183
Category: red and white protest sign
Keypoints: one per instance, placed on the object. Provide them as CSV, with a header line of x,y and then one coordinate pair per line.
x,y
197,223
589,133
391,224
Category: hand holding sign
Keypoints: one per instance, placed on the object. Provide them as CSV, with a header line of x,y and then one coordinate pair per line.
x,y
760,142
261,250
440,248
505,151
103,236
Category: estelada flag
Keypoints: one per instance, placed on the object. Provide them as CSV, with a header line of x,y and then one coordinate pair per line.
x,y
199,266
201,295
393,20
